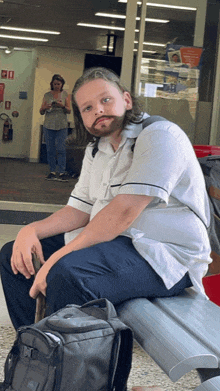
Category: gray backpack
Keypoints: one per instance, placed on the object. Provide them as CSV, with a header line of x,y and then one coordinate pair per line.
x,y
77,348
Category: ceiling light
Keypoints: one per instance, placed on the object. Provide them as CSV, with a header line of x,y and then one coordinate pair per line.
x,y
146,51
110,15
179,7
117,16
105,47
164,5
8,50
23,49
29,30
152,44
125,1
103,26
155,20
24,38
17,49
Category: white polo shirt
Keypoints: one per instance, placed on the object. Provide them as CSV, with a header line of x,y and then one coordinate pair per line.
x,y
171,232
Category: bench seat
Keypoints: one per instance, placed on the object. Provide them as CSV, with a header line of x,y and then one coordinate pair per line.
x,y
180,333
210,385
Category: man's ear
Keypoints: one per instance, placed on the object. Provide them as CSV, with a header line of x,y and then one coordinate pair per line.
x,y
128,100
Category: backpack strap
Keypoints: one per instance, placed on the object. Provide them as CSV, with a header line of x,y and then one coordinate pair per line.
x,y
150,120
95,146
146,122
119,375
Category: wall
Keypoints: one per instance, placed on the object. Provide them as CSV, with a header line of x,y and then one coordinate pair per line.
x,y
70,65
23,64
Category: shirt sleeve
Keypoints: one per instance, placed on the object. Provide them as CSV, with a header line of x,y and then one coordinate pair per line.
x,y
79,197
158,162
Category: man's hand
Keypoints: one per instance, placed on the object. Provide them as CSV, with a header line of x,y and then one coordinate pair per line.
x,y
39,284
25,244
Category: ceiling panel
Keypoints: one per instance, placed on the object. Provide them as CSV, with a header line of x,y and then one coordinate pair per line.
x,y
64,15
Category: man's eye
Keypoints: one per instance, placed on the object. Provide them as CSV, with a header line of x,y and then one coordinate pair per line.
x,y
87,108
105,100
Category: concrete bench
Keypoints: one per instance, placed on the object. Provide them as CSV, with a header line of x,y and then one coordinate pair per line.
x,y
180,334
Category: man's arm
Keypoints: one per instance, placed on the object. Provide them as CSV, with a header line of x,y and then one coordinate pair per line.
x,y
110,222
28,238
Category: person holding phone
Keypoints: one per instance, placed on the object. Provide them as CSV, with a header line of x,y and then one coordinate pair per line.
x,y
55,107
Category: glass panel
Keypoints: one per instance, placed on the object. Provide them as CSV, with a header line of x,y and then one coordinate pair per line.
x,y
169,76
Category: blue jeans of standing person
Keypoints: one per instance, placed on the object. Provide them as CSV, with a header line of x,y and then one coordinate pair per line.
x,y
113,270
56,149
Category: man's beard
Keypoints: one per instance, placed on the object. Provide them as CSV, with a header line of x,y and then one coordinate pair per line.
x,y
105,129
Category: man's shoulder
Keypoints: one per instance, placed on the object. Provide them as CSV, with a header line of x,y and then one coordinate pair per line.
x,y
161,132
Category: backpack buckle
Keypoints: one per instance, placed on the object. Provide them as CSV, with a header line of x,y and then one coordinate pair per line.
x,y
27,351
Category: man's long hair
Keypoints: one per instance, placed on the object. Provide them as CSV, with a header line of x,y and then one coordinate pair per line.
x,y
131,116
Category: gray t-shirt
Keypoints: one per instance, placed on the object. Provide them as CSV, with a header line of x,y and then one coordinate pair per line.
x,y
55,118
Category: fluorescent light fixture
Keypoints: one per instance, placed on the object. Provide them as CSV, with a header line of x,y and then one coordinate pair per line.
x,y
29,30
152,44
100,26
164,5
17,49
178,7
135,50
146,51
23,49
105,47
125,1
155,20
117,16
23,38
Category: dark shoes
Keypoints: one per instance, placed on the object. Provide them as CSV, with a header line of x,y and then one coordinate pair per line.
x,y
63,177
51,176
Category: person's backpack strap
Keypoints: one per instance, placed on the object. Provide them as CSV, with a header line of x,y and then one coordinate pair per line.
x,y
124,359
95,146
146,122
150,120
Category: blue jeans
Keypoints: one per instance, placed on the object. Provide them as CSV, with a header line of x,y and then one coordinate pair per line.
x,y
56,148
113,270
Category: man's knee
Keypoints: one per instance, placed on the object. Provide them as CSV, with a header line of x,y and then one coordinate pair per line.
x,y
5,253
59,269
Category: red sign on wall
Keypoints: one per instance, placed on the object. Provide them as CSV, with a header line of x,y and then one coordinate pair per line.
x,y
11,74
4,74
7,105
2,89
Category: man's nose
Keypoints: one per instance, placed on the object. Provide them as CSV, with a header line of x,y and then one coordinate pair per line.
x,y
99,109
